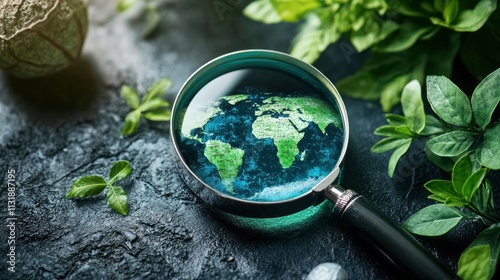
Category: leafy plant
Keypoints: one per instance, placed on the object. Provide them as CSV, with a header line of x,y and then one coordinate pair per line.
x,y
152,16
465,131
93,185
152,107
464,125
467,196
408,39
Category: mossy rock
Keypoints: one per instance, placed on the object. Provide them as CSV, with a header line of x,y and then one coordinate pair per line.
x,y
41,37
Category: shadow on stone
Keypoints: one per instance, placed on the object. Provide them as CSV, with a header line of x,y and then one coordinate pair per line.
x,y
61,96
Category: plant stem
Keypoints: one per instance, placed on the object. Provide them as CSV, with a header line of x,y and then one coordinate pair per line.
x,y
490,219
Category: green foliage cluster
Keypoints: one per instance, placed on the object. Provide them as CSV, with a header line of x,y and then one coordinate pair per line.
x,y
466,132
152,17
408,39
467,196
464,125
93,185
152,106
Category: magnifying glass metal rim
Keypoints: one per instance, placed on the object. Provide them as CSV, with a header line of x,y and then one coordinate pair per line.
x,y
234,61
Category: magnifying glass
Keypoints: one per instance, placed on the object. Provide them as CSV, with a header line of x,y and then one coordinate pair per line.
x,y
261,134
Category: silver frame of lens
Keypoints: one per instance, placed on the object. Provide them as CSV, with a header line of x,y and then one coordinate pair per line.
x,y
240,60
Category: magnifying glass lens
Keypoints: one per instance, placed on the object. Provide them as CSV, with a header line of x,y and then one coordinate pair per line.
x,y
260,135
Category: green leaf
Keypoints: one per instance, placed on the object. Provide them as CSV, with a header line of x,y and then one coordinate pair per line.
x,y
488,153
432,126
307,44
474,263
407,35
315,35
455,202
117,199
443,191
397,120
414,9
483,199
130,96
153,104
152,20
470,20
372,32
390,94
157,89
452,143
394,131
87,186
489,203
119,171
434,220
413,107
294,10
124,5
388,130
480,259
388,144
473,182
263,11
448,101
432,32
381,73
131,122
158,115
462,170
437,198
476,165
444,163
485,98
405,131
451,11
396,155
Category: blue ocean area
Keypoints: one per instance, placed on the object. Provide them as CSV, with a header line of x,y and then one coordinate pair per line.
x,y
261,177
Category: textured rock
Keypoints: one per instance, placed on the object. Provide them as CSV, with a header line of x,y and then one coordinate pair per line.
x,y
55,129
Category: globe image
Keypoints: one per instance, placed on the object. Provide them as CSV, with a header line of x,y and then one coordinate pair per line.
x,y
262,146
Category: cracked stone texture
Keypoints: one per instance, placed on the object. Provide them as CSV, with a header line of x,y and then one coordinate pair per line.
x,y
55,129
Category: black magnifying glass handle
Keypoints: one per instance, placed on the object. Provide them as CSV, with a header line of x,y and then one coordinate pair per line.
x,y
386,235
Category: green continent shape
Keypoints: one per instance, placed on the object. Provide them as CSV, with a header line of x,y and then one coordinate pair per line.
x,y
286,131
227,159
233,99
303,110
285,135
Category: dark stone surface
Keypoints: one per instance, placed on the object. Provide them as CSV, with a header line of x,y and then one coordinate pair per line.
x,y
56,129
